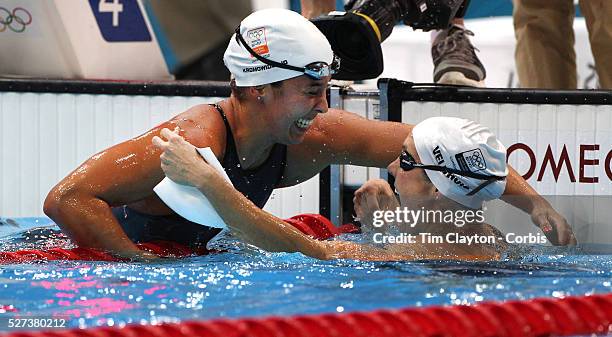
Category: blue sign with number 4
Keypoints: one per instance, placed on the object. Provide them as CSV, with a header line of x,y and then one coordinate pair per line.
x,y
120,20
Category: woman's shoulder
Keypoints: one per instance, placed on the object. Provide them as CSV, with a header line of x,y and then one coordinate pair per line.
x,y
202,126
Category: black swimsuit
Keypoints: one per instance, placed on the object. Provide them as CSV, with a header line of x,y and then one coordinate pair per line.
x,y
256,184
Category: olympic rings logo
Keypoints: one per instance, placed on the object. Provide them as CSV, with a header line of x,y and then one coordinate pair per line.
x,y
477,159
255,36
17,20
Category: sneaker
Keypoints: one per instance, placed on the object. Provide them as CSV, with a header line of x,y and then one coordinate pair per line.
x,y
455,60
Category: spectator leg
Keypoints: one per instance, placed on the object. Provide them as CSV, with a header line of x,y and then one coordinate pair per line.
x,y
598,15
545,56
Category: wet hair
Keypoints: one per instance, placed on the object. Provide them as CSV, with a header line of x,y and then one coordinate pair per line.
x,y
241,92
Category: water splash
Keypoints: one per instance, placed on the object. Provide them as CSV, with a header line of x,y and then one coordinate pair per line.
x,y
245,281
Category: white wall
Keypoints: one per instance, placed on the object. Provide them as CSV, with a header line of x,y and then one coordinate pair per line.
x,y
263,4
355,176
45,136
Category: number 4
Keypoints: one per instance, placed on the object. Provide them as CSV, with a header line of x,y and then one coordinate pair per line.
x,y
111,7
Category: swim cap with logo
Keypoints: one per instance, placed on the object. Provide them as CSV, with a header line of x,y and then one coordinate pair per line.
x,y
279,35
463,145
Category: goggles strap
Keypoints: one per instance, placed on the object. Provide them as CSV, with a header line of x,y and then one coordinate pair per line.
x,y
481,186
467,174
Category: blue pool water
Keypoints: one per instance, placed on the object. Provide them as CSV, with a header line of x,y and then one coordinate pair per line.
x,y
247,282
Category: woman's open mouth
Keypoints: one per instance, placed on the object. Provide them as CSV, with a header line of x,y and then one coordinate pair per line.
x,y
303,123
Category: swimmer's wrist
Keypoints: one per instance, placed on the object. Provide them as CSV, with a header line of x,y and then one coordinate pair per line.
x,y
539,205
201,176
210,183
530,204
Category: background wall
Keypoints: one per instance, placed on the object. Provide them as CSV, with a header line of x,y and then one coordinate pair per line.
x,y
45,136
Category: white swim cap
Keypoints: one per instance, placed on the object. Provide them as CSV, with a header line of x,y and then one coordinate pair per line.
x,y
279,35
463,145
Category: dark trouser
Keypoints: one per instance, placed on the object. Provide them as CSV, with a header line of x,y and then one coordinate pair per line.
x,y
545,56
141,227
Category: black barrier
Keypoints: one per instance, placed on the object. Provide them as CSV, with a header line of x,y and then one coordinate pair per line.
x,y
170,88
393,92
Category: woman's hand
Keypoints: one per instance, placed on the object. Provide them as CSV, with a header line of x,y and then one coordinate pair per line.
x,y
373,196
181,162
554,225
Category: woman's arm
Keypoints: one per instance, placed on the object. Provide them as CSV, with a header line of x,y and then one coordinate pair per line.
x,y
81,203
521,195
341,137
125,173
182,164
270,233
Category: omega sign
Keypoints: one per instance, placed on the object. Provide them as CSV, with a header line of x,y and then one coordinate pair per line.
x,y
590,155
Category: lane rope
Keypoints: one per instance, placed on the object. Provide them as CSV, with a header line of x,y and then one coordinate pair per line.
x,y
570,316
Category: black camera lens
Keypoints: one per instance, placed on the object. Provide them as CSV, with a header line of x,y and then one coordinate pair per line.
x,y
351,42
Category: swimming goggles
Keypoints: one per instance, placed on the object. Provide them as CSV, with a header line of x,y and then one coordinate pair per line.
x,y
315,70
408,163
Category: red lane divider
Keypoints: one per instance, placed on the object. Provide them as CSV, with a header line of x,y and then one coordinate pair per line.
x,y
161,248
569,316
314,225
319,226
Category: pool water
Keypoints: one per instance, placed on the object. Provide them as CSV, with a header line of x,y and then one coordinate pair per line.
x,y
246,282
